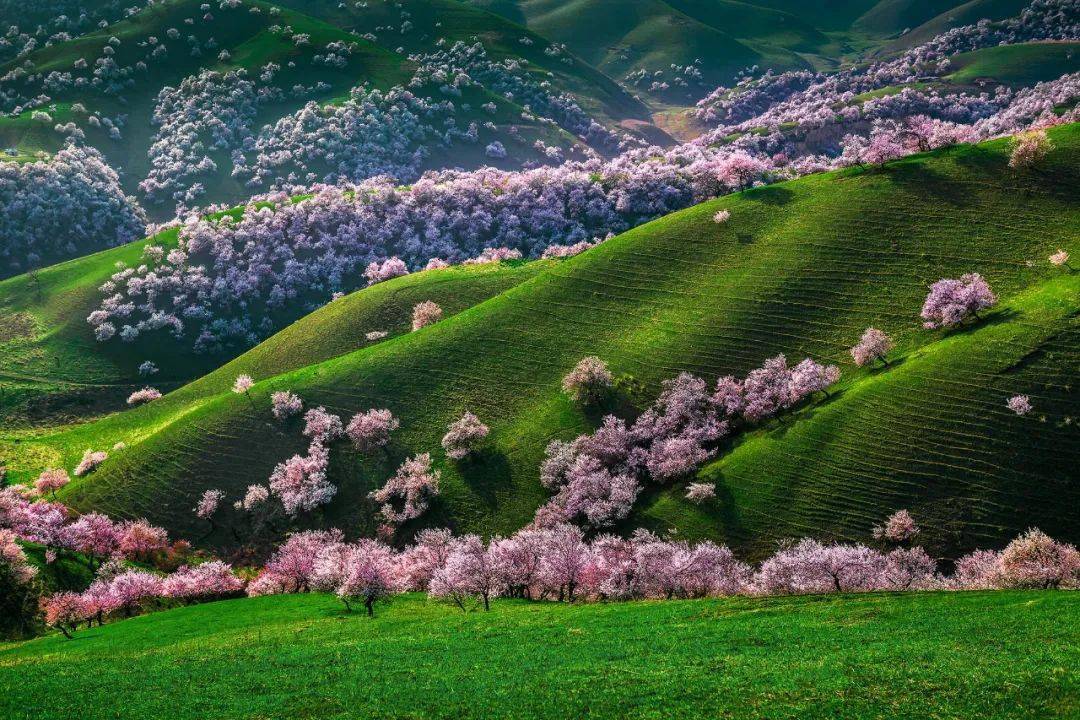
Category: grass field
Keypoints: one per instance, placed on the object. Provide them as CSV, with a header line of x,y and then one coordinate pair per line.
x,y
962,655
801,268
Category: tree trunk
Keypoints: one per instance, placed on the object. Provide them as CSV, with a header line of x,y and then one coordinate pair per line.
x,y
487,605
63,629
370,603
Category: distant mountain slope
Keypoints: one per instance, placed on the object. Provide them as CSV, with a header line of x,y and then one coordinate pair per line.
x,y
1023,64
801,268
962,14
456,20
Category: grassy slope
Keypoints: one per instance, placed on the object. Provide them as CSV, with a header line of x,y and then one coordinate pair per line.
x,y
1023,65
891,17
801,268
51,368
871,656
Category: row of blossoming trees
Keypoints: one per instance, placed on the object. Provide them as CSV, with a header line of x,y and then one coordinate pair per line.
x,y
558,563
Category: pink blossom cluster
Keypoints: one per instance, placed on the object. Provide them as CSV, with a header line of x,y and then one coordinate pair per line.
x,y
1020,404
425,313
899,527
463,435
53,525
208,112
597,476
284,404
13,560
209,503
288,256
89,462
371,430
300,482
41,201
1029,148
494,255
140,397
811,101
371,133
121,591
873,345
406,495
952,301
589,380
565,251
389,268
49,481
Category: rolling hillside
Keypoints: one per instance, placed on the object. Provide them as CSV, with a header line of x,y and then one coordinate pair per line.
x,y
869,656
801,268
726,37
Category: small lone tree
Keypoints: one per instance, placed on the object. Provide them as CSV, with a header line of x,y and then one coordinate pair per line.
x,y
425,313
588,381
873,345
1019,404
1029,148
951,301
463,436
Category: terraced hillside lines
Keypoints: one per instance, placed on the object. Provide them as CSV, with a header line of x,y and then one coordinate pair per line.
x,y
801,268
807,657
928,435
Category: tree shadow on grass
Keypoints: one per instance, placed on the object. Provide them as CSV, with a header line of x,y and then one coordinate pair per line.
x,y
925,180
775,195
988,320
486,473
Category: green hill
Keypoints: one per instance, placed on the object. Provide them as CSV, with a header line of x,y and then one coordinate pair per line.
x,y
462,21
962,14
869,656
801,268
